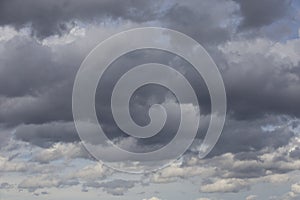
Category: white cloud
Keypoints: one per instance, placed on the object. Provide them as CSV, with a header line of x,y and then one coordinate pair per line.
x,y
59,151
91,172
6,33
251,197
74,34
276,178
225,185
174,171
153,198
10,166
296,188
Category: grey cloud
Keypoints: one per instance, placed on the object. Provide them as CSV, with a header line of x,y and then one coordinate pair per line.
x,y
39,182
244,133
231,173
248,136
116,187
45,135
20,73
5,186
40,98
44,85
202,20
260,78
56,17
246,156
5,135
295,153
41,193
35,86
257,13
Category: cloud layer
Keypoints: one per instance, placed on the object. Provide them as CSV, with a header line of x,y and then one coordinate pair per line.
x,y
256,46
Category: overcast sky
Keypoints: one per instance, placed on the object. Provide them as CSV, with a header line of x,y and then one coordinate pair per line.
x,y
256,46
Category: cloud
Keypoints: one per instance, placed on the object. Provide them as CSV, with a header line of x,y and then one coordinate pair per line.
x,y
257,13
42,44
56,17
59,150
170,173
293,194
203,199
44,181
228,173
44,100
246,136
53,96
22,57
251,197
224,186
45,135
296,188
233,173
153,198
91,173
5,186
116,187
216,16
9,166
261,63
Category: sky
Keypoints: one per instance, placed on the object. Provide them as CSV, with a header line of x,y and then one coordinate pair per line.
x,y
256,47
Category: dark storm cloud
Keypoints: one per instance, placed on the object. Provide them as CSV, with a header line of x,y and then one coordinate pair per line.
x,y
148,95
258,83
52,17
257,13
36,81
199,19
28,68
262,82
52,105
46,134
202,20
249,136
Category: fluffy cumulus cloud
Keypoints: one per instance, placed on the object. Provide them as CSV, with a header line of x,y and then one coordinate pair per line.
x,y
256,47
224,185
251,197
152,198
